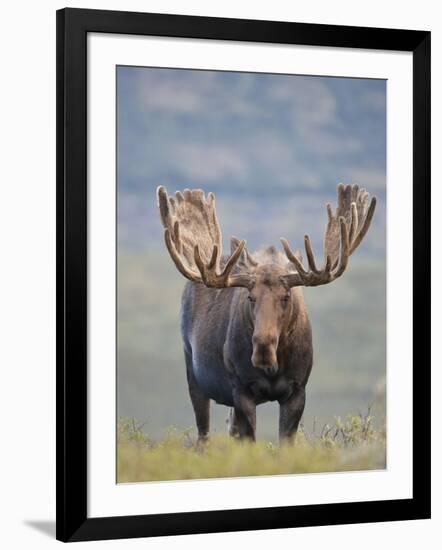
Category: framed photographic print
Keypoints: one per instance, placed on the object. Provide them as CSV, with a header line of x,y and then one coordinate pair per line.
x,y
243,274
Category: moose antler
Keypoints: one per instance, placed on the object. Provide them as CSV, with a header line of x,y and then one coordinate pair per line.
x,y
344,233
193,239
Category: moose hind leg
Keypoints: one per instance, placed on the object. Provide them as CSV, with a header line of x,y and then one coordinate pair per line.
x,y
290,412
200,403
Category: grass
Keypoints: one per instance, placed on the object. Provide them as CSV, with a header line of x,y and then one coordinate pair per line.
x,y
347,445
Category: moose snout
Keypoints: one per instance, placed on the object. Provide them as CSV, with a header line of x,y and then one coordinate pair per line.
x,y
264,352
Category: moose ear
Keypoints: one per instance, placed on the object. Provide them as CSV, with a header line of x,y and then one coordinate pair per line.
x,y
246,260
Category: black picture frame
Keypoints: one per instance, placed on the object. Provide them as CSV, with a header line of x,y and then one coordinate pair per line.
x,y
73,25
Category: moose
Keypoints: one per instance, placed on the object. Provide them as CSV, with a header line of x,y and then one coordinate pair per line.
x,y
244,323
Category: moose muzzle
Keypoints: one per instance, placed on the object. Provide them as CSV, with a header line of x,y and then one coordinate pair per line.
x,y
264,353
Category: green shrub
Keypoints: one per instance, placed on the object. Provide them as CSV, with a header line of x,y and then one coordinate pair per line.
x,y
348,445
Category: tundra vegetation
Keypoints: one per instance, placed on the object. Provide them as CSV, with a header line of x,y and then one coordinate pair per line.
x,y
354,443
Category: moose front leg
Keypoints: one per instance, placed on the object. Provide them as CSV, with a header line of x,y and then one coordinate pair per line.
x,y
244,416
232,427
290,412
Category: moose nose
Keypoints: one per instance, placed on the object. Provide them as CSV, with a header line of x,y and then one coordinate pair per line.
x,y
264,352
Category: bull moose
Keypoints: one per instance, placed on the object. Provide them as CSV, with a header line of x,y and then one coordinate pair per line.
x,y
244,323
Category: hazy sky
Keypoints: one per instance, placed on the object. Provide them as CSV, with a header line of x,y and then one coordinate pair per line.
x,y
279,141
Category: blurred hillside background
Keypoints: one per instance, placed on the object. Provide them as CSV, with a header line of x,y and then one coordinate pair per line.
x,y
272,148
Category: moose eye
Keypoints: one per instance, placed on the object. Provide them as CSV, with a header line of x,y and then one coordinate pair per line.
x,y
285,299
